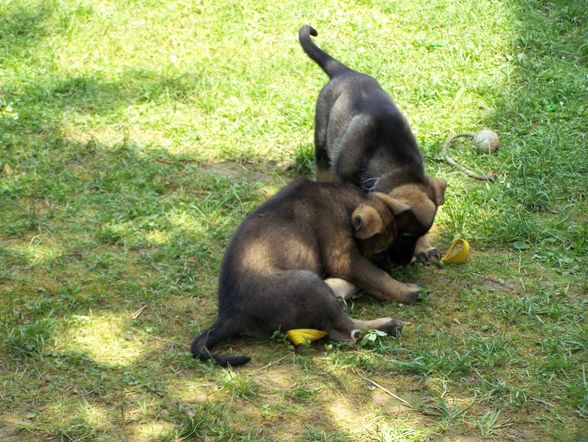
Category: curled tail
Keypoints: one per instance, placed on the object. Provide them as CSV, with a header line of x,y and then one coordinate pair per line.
x,y
328,64
204,343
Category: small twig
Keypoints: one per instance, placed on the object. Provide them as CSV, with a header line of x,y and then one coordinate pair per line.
x,y
395,396
271,363
164,161
139,312
541,401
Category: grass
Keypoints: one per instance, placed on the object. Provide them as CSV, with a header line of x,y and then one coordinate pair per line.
x,y
135,136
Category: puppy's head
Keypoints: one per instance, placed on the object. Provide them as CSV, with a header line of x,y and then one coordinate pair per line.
x,y
423,199
374,222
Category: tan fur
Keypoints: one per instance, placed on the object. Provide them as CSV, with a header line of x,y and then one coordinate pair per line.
x,y
439,186
379,212
412,194
422,246
255,257
356,334
366,221
395,205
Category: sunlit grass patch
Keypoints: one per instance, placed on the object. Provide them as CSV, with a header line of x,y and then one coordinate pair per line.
x,y
239,385
190,390
108,339
98,416
157,237
150,430
35,251
70,420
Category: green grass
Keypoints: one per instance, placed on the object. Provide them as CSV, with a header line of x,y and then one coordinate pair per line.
x,y
135,136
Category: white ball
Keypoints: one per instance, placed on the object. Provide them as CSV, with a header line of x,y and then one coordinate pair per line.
x,y
486,141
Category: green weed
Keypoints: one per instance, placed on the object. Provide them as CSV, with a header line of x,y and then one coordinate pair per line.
x,y
488,424
29,339
238,384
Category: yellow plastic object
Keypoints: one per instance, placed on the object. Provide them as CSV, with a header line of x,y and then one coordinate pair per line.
x,y
302,335
457,253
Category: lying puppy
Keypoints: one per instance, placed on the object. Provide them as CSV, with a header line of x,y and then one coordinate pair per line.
x,y
273,269
361,137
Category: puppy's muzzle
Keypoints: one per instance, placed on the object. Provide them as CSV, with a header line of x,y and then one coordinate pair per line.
x,y
402,249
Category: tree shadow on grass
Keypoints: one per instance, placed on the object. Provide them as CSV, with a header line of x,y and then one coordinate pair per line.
x,y
538,204
197,400
543,163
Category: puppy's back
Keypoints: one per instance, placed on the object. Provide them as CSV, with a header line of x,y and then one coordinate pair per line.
x,y
285,233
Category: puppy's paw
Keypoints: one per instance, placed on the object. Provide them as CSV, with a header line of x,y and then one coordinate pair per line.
x,y
430,255
413,293
434,255
343,302
393,327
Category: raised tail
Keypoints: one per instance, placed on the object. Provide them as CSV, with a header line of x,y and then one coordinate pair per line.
x,y
328,64
204,343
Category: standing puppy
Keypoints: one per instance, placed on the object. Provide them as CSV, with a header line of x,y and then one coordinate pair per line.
x,y
361,137
273,271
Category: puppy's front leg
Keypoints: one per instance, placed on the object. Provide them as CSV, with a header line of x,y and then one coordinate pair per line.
x,y
380,284
424,251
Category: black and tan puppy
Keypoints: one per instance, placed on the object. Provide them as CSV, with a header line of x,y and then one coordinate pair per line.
x,y
273,271
361,137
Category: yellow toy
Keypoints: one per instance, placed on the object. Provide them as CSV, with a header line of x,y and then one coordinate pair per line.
x,y
300,336
457,253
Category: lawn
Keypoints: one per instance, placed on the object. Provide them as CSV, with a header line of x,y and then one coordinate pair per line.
x,y
136,135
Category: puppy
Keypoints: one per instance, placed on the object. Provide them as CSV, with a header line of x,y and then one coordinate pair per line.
x,y
361,137
272,275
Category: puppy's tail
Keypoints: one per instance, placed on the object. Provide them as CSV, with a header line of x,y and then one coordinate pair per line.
x,y
328,64
204,343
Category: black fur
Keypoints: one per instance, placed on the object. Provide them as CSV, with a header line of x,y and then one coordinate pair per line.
x,y
376,138
361,137
272,275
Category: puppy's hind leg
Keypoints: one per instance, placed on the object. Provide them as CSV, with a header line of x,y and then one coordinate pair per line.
x,y
346,328
343,289
321,121
312,303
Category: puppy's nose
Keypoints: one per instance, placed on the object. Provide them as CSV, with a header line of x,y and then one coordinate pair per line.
x,y
401,258
402,251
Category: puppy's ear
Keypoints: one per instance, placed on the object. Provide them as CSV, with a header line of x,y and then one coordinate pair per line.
x,y
366,222
395,205
439,185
